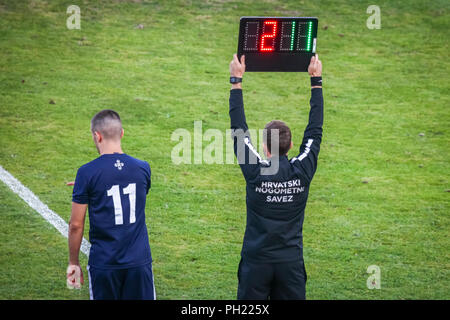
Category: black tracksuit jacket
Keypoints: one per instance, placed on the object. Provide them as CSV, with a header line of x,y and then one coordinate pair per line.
x,y
276,202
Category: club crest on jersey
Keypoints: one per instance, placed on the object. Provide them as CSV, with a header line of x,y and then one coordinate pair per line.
x,y
118,164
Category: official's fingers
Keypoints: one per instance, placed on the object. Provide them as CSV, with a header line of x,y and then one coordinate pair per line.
x,y
243,60
235,58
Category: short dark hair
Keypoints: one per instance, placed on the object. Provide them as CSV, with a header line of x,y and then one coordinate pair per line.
x,y
108,123
284,136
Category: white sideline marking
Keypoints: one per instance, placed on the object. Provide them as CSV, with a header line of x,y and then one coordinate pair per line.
x,y
33,201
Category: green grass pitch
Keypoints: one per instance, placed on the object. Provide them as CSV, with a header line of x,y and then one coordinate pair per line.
x,y
381,192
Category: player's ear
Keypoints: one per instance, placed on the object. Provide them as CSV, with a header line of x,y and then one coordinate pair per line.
x,y
97,136
121,135
290,147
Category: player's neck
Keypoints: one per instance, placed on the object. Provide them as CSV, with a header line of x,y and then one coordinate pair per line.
x,y
110,148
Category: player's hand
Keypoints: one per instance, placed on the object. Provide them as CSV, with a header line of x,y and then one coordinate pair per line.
x,y
74,276
237,68
315,66
70,183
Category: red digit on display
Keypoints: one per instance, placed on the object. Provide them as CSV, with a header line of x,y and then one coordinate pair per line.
x,y
266,45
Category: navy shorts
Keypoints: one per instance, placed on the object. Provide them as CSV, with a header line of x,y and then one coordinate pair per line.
x,y
274,281
122,284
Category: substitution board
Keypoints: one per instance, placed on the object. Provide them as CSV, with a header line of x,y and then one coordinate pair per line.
x,y
274,44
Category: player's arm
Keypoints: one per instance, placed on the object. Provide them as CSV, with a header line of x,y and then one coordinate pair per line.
x,y
80,200
246,154
312,137
76,230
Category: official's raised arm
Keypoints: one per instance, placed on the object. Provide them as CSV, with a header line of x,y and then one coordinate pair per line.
x,y
247,156
306,160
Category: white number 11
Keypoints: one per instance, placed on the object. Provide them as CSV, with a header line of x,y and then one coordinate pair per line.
x,y
114,192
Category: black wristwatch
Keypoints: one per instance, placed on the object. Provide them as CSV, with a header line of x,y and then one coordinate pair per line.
x,y
235,80
316,81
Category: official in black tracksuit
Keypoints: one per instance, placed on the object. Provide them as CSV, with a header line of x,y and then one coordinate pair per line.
x,y
271,265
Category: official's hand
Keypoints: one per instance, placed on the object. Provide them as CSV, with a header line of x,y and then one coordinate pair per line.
x,y
237,68
315,66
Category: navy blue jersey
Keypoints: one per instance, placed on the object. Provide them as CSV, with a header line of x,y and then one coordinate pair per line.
x,y
115,187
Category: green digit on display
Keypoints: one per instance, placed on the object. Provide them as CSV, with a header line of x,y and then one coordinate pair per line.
x,y
308,41
292,35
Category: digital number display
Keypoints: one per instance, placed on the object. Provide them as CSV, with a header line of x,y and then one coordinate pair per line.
x,y
277,43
